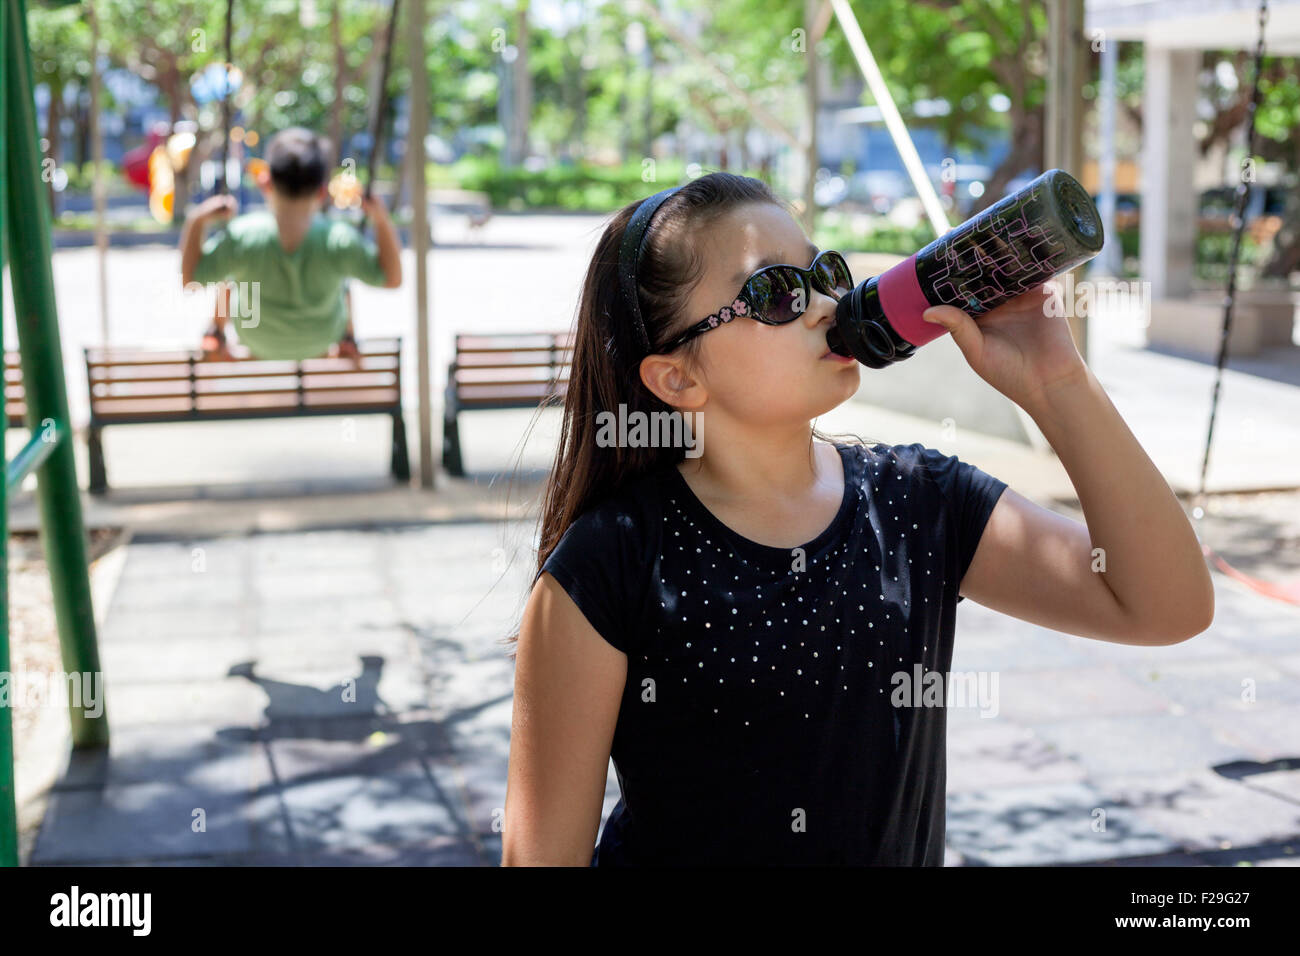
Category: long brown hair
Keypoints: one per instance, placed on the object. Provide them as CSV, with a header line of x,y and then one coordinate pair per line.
x,y
604,369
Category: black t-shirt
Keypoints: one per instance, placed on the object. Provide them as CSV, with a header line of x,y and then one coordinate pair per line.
x,y
756,725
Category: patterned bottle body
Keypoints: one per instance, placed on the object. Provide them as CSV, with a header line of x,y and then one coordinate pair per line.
x,y
1047,228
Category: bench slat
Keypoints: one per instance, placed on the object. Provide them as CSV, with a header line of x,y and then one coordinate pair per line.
x,y
99,357
310,379
490,364
213,366
463,385
204,385
102,400
470,395
155,415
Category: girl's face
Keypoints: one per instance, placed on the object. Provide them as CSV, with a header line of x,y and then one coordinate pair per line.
x,y
757,374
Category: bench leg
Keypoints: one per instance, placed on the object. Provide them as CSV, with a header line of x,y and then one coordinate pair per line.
x,y
401,464
98,476
451,459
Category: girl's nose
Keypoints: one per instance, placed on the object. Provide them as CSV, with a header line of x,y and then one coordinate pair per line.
x,y
821,308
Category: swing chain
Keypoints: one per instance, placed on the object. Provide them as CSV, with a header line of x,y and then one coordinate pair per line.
x,y
1238,223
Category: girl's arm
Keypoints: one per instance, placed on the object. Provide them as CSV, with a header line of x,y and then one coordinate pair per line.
x,y
568,688
1135,573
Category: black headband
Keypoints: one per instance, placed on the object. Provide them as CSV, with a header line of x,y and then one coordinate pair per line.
x,y
629,257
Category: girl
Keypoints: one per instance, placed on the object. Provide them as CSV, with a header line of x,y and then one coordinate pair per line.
x,y
744,628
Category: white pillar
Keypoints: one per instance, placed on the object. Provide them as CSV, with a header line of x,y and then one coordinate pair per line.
x,y
1168,244
1110,261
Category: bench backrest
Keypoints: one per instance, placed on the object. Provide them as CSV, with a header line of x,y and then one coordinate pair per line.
x,y
15,397
511,369
136,385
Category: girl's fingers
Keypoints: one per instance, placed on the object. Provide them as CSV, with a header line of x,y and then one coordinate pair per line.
x,y
959,324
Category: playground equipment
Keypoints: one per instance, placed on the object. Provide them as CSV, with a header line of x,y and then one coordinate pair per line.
x,y
344,190
25,238
1289,593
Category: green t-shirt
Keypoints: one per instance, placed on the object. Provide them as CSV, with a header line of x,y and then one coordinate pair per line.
x,y
296,310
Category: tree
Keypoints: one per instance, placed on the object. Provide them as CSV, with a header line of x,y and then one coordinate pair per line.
x,y
60,48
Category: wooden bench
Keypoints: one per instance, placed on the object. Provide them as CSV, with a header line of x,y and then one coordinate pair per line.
x,y
15,397
503,370
136,386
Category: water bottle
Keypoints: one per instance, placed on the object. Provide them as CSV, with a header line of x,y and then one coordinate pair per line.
x,y
1045,229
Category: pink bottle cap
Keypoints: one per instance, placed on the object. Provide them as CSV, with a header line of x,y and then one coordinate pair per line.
x,y
903,301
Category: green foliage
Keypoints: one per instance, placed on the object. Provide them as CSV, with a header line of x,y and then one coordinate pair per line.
x,y
1212,252
1128,242
81,177
60,45
576,186
879,235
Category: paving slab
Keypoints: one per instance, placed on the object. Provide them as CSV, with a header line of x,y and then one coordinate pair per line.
x,y
1058,823
157,820
1200,810
1139,743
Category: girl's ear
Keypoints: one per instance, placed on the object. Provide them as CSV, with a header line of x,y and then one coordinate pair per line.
x,y
667,379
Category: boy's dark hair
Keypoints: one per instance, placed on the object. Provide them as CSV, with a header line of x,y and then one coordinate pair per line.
x,y
299,161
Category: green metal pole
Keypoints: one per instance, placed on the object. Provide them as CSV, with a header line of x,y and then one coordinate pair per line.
x,y
63,533
8,807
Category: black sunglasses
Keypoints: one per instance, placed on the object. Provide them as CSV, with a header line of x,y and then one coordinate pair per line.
x,y
777,294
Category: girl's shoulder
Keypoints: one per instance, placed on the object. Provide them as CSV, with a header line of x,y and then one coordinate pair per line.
x,y
607,556
939,478
912,459
625,520
880,458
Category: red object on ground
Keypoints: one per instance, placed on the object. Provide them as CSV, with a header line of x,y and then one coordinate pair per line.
x,y
1290,593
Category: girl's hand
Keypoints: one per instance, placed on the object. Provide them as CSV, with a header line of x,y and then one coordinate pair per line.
x,y
1023,348
373,207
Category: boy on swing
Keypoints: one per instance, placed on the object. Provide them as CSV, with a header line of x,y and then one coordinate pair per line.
x,y
298,259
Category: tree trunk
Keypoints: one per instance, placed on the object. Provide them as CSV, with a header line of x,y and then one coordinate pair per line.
x,y
578,128
523,100
174,90
404,171
624,134
53,119
340,82
171,87
647,117
811,10
1026,150
83,125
